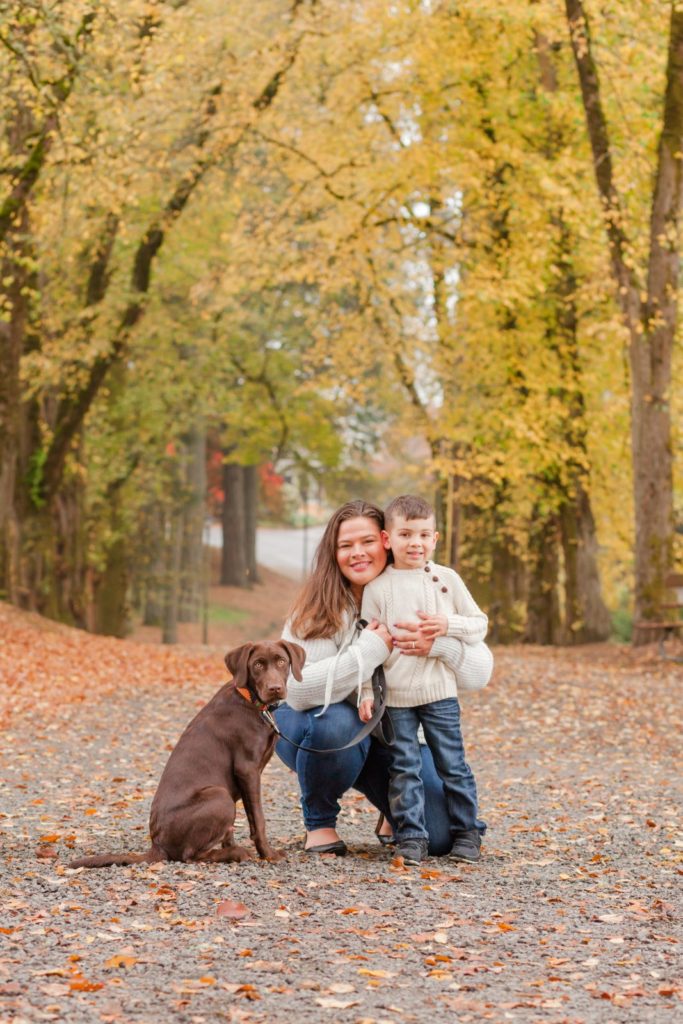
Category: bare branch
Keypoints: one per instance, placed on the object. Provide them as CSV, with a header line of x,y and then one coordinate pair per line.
x,y
598,133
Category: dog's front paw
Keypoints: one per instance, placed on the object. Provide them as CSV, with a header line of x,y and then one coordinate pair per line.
x,y
273,856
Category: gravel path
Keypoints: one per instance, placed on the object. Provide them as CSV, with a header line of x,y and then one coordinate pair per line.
x,y
572,915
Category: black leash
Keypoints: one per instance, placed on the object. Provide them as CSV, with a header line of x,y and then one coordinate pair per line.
x,y
380,702
387,729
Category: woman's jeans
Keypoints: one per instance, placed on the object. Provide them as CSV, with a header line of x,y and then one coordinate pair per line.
x,y
440,721
324,778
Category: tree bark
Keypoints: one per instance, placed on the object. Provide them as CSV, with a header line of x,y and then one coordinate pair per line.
x,y
543,624
651,320
234,565
507,584
112,611
194,511
251,486
585,614
586,618
171,585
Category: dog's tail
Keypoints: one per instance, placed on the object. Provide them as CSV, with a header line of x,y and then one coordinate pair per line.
x,y
107,860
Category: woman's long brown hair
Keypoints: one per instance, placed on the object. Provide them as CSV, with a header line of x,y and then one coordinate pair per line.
x,y
320,608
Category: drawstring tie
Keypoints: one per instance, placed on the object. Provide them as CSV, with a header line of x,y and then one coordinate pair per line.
x,y
332,671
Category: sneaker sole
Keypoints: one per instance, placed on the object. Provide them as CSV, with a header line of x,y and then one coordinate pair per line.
x,y
464,860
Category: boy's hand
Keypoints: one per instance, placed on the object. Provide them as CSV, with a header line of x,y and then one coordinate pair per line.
x,y
432,625
366,709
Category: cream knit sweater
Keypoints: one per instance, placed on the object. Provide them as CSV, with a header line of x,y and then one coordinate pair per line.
x,y
396,596
337,666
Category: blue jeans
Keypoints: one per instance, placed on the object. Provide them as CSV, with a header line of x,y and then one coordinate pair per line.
x,y
441,723
324,778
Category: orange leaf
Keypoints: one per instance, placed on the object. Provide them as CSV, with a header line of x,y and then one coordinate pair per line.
x,y
228,908
83,985
121,960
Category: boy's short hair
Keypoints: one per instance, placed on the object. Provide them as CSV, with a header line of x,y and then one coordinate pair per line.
x,y
409,506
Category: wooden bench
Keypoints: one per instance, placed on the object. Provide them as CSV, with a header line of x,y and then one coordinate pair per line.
x,y
668,627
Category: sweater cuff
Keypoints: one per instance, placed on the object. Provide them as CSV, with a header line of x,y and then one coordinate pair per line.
x,y
447,648
375,652
470,628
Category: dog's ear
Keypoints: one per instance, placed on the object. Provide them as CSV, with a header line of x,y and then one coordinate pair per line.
x,y
237,661
296,655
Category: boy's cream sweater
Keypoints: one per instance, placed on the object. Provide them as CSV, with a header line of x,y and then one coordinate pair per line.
x,y
396,596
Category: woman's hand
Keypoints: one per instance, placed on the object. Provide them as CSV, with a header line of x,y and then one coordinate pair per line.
x,y
410,639
382,631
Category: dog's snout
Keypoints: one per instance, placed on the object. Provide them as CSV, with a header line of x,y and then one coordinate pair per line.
x,y
278,689
276,686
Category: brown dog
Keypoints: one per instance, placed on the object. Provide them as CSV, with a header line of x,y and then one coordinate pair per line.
x,y
218,760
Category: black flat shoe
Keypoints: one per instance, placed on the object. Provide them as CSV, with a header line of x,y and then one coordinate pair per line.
x,y
338,848
384,840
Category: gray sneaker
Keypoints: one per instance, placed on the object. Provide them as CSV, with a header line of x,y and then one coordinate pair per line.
x,y
413,851
466,846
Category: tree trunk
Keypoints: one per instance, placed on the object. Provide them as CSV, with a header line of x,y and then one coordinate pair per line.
x,y
112,612
251,486
543,624
586,619
507,587
150,567
648,298
234,566
171,588
12,335
192,568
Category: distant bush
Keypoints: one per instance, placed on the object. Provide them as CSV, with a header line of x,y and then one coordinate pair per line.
x,y
622,625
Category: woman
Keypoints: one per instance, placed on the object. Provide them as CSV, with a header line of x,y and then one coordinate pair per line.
x,y
339,657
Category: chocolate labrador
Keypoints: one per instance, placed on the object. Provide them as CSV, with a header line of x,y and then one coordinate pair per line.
x,y
217,761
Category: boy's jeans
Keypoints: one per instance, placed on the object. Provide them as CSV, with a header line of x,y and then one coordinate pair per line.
x,y
441,723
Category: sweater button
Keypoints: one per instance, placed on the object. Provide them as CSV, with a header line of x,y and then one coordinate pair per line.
x,y
427,569
435,578
444,590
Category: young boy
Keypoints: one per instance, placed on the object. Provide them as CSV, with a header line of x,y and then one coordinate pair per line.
x,y
423,690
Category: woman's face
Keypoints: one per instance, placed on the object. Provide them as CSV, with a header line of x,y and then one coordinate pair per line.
x,y
360,553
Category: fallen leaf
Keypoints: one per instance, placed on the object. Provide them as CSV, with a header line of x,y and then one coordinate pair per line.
x,y
335,1004
235,911
121,960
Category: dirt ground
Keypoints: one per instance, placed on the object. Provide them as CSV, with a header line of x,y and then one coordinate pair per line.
x,y
572,916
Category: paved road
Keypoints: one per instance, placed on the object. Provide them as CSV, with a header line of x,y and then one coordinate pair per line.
x,y
286,551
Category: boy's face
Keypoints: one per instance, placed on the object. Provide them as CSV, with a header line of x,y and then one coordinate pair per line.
x,y
411,540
